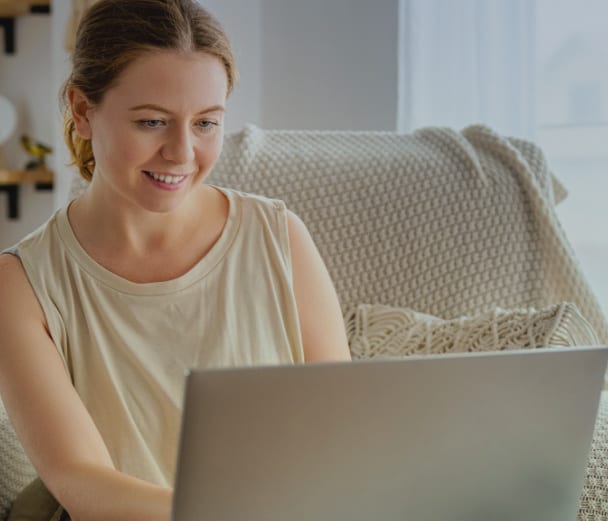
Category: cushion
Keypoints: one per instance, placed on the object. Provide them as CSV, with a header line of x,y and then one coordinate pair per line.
x,y
385,331
36,503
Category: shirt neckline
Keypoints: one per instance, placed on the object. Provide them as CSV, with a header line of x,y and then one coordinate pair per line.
x,y
197,272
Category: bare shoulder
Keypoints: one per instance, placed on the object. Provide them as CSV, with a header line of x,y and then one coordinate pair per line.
x,y
11,270
323,332
17,298
12,274
303,248
8,262
296,227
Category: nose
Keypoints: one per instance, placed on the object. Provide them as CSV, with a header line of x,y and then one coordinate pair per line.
x,y
179,146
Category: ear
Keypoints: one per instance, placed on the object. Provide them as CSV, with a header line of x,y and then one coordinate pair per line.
x,y
80,107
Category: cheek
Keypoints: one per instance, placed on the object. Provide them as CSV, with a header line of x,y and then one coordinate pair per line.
x,y
137,151
209,152
122,147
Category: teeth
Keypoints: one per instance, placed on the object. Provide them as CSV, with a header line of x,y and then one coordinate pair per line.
x,y
168,179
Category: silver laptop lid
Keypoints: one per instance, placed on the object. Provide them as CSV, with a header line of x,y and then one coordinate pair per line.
x,y
502,435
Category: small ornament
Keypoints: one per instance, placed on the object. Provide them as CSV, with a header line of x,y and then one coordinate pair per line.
x,y
38,150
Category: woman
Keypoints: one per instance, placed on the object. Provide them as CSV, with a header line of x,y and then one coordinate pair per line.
x,y
149,272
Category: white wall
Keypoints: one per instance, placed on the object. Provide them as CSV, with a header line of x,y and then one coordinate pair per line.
x,y
60,60
241,20
314,64
329,64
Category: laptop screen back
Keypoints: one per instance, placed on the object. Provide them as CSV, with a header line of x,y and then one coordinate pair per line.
x,y
501,435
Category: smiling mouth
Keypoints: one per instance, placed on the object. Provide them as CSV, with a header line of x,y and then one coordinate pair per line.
x,y
164,178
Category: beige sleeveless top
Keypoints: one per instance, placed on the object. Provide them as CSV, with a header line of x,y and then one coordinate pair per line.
x,y
127,345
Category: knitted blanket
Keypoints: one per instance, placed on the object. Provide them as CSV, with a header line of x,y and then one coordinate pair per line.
x,y
444,222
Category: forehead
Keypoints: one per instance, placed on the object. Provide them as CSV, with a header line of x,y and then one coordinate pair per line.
x,y
172,79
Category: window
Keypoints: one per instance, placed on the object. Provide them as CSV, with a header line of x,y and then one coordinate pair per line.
x,y
572,123
536,69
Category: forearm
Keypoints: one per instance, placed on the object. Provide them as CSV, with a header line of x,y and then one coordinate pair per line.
x,y
92,493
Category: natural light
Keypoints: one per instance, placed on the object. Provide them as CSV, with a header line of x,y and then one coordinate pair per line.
x,y
572,54
533,69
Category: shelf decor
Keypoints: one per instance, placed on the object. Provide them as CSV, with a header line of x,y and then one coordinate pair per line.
x,y
36,171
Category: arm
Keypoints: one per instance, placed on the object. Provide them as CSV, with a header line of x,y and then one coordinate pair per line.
x,y
323,331
51,421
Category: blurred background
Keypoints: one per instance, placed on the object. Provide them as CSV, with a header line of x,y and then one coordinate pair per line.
x,y
535,69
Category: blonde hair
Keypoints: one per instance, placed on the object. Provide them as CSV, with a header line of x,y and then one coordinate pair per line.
x,y
113,33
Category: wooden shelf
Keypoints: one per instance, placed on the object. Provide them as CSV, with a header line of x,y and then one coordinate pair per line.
x,y
20,177
12,8
11,181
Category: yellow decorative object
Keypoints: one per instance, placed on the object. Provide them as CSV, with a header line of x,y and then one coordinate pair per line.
x,y
36,149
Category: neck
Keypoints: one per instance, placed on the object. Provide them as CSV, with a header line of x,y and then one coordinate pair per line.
x,y
131,230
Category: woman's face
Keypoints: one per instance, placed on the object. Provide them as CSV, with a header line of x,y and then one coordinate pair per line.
x,y
158,132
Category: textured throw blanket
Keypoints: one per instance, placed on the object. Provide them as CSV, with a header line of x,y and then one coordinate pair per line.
x,y
444,222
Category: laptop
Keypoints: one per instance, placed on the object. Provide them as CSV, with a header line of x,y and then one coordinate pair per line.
x,y
499,435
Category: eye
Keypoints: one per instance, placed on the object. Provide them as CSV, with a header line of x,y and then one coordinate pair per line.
x,y
207,125
150,123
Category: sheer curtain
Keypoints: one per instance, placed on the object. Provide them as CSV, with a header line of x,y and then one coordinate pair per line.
x,y
535,69
467,61
572,122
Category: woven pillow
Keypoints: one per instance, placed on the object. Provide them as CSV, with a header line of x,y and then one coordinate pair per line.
x,y
383,331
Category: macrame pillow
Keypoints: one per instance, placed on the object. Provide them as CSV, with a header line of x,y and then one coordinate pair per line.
x,y
383,331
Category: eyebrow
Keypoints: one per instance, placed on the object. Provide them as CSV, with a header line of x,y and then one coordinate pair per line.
x,y
149,106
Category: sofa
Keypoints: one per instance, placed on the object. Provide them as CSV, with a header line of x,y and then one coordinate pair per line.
x,y
437,241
